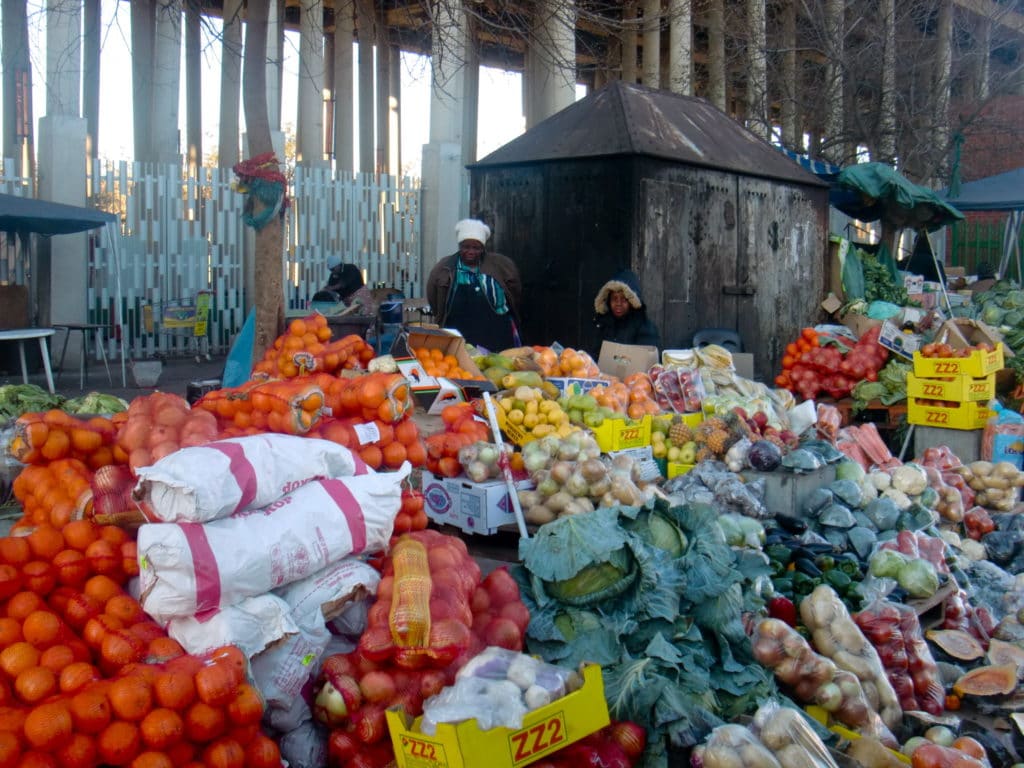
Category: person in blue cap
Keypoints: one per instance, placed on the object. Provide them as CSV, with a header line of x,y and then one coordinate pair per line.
x,y
620,314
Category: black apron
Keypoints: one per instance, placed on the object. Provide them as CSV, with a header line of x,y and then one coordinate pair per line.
x,y
471,313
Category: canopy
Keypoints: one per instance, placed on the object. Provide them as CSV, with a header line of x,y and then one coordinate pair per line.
x,y
1002,192
26,214
876,191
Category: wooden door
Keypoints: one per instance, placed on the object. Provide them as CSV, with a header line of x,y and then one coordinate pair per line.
x,y
687,262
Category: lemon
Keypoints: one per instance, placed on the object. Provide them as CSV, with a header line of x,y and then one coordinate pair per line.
x,y
506,404
547,405
530,420
541,430
516,416
659,449
564,430
531,407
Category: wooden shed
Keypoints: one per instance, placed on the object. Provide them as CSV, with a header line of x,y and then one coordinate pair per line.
x,y
723,230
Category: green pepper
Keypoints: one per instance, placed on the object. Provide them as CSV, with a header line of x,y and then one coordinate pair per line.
x,y
851,568
838,580
783,586
825,562
779,553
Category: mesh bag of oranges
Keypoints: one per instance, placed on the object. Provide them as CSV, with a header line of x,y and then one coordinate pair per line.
x,y
424,616
157,425
373,396
306,346
54,493
436,362
40,438
288,406
570,362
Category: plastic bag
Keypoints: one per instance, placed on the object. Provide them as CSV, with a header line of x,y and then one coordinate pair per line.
x,y
837,636
1003,437
731,745
791,740
216,480
729,491
190,569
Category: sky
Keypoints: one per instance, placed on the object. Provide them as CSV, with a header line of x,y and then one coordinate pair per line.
x,y
500,93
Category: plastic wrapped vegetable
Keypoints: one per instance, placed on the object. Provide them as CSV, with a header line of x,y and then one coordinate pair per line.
x,y
732,746
836,636
815,679
785,732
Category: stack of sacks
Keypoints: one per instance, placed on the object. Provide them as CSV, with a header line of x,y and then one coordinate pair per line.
x,y
258,545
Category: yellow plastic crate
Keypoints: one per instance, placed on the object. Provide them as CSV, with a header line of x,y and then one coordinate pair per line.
x,y
464,745
692,420
977,364
964,416
822,716
675,468
962,389
620,434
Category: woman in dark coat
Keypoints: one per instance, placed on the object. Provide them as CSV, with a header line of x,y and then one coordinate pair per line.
x,y
621,316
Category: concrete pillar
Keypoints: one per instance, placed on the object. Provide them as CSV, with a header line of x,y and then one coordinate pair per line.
x,y
62,180
91,35
395,110
275,64
344,92
166,82
383,110
629,32
309,122
143,15
471,105
716,53
63,57
445,184
193,89
551,60
652,43
680,47
230,84
364,11
758,119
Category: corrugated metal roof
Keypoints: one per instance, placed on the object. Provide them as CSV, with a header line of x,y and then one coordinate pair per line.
x,y
623,119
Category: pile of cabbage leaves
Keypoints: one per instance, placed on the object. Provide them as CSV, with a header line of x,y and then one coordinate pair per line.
x,y
657,598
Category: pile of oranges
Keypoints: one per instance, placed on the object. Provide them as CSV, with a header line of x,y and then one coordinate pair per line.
x,y
285,406
634,396
438,363
87,678
53,435
306,347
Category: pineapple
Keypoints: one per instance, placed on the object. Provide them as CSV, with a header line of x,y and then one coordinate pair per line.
x,y
703,454
679,433
718,441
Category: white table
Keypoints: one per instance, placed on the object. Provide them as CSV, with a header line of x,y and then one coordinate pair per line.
x,y
21,335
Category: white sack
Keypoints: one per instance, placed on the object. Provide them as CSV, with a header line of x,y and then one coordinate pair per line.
x,y
191,569
216,480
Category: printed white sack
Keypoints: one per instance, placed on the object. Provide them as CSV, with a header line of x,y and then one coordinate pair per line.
x,y
219,479
252,625
191,569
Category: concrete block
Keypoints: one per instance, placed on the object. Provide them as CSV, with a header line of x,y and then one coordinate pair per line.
x,y
965,443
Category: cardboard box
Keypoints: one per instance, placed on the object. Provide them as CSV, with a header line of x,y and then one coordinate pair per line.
x,y
620,434
621,360
858,323
831,304
898,341
463,745
962,389
961,333
430,392
575,386
473,507
963,416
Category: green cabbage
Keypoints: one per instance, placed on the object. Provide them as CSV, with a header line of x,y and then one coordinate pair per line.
x,y
919,578
886,563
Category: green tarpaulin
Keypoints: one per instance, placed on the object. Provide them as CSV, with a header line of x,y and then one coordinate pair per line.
x,y
876,191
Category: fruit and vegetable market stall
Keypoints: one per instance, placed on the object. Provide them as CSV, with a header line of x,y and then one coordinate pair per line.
x,y
713,570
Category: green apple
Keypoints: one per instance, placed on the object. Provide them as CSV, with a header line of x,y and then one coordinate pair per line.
x,y
688,455
659,449
673,453
593,419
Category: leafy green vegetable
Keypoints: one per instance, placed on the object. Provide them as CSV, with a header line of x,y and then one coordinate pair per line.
x,y
563,548
878,282
16,399
95,402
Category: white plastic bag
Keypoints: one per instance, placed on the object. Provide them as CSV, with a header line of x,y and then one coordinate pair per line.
x,y
190,569
216,480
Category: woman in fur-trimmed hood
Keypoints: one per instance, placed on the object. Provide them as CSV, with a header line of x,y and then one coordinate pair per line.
x,y
621,316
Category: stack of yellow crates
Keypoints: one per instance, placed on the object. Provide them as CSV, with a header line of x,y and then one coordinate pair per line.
x,y
953,392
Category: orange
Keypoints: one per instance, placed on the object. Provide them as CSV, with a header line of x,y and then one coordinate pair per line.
x,y
96,629
225,753
57,657
48,726
36,759
102,588
57,445
15,550
45,542
104,558
204,723
162,728
373,456
78,752
394,455
126,608
130,697
174,689
120,647
217,684
10,631
75,676
16,658
85,440
35,684
163,649
39,576
262,752
182,753
152,760
80,609
90,709
247,706
113,535
119,743
72,567
42,628
297,327
10,750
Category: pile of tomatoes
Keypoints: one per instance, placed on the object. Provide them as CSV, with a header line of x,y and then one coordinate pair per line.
x,y
462,427
810,368
945,350
157,425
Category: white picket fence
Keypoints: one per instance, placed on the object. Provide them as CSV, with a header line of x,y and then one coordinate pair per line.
x,y
183,234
